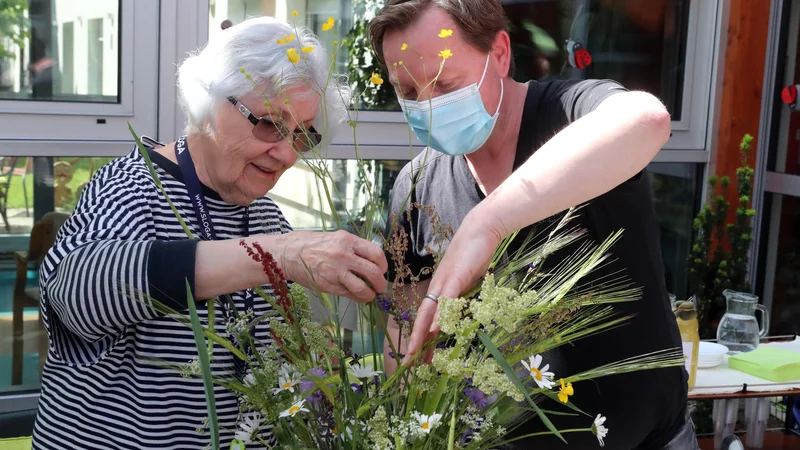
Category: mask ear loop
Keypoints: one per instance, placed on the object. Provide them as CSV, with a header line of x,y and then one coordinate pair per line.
x,y
502,85
486,66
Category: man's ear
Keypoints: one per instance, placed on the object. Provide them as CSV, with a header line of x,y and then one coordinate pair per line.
x,y
501,49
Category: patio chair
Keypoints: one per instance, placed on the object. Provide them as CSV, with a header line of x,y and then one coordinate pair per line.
x,y
8,169
43,236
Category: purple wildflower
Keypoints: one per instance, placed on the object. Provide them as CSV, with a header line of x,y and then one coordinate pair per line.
x,y
307,385
398,355
385,303
314,397
466,437
357,388
477,396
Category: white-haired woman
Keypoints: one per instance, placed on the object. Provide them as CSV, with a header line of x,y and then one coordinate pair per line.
x,y
100,386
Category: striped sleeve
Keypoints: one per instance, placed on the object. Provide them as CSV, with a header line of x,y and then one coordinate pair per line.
x,y
107,265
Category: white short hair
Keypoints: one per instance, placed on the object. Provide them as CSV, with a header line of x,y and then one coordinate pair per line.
x,y
208,77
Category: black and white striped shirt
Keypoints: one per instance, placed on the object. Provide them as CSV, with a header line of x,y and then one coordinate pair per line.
x,y
100,386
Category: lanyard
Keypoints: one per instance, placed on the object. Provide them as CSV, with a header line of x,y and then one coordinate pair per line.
x,y
198,199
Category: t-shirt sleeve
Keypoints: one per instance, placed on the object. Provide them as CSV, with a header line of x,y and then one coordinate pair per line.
x,y
565,101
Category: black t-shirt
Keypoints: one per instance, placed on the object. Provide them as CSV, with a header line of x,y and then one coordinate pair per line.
x,y
645,410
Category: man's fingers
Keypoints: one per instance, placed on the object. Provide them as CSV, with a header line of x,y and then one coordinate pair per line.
x,y
422,324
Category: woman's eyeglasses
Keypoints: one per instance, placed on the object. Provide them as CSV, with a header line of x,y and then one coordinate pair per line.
x,y
267,130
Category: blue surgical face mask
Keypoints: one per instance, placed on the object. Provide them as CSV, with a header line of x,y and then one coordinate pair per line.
x,y
455,123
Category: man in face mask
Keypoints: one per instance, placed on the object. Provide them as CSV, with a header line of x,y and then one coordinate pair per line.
x,y
506,156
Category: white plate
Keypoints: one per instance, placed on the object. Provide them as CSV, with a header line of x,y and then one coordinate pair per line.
x,y
710,349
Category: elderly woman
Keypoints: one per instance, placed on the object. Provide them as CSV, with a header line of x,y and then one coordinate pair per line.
x,y
101,388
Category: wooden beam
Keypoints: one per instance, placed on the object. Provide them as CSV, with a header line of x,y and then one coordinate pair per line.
x,y
742,86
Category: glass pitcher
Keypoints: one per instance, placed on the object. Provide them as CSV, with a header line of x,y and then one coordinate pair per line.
x,y
738,330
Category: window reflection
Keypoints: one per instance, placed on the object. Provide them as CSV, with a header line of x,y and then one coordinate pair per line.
x,y
303,200
782,265
61,50
676,194
640,44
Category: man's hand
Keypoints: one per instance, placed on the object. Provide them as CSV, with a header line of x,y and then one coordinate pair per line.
x,y
464,263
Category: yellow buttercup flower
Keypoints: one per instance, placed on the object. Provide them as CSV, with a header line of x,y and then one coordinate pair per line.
x,y
344,41
295,13
308,49
446,53
292,55
285,39
404,46
376,79
329,24
445,33
565,392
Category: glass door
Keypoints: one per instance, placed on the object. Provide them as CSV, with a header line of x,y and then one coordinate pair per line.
x,y
778,248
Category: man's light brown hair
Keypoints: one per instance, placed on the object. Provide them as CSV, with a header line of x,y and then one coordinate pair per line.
x,y
478,20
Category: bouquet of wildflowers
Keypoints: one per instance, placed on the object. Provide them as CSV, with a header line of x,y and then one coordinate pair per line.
x,y
487,375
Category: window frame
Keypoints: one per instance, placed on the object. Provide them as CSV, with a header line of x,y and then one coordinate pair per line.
x,y
29,127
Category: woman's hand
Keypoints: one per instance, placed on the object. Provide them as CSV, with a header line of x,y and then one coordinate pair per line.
x,y
464,263
337,263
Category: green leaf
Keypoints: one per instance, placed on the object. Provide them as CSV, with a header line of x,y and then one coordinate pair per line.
x,y
487,342
205,368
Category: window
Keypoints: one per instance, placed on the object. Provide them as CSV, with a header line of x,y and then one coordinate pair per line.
x,y
302,200
781,270
76,71
25,206
51,39
676,193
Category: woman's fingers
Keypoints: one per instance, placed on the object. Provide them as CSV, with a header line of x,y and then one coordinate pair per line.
x,y
356,287
371,252
370,272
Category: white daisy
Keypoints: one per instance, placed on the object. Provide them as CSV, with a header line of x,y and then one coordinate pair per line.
x,y
249,428
599,430
249,380
294,409
542,377
427,423
362,372
287,380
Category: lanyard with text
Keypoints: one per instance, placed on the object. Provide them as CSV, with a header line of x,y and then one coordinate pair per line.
x,y
198,199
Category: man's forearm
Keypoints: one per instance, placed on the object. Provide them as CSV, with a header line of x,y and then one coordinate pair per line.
x,y
590,157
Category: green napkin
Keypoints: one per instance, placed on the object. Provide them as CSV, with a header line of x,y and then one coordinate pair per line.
x,y
770,363
20,443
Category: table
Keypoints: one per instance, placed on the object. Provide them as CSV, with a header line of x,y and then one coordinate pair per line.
x,y
727,386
